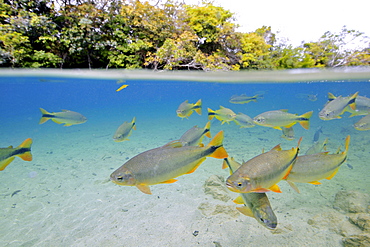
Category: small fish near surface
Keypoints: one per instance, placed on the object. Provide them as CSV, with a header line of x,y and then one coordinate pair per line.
x,y
288,133
257,205
263,172
281,118
336,106
363,123
225,115
7,155
310,97
65,117
244,121
244,99
164,164
195,135
124,131
314,167
185,109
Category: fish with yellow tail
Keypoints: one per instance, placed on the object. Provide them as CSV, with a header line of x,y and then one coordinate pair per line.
x,y
282,118
162,165
195,135
336,106
7,155
65,117
185,109
124,131
225,115
314,167
363,123
362,106
263,172
256,205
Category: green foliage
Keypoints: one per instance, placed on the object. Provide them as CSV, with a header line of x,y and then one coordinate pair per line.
x,y
168,35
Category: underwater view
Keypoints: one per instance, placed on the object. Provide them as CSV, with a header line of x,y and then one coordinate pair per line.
x,y
130,158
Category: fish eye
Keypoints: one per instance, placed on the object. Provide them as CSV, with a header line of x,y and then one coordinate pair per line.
x,y
119,178
239,184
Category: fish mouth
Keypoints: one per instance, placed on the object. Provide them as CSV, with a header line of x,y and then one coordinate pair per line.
x,y
231,187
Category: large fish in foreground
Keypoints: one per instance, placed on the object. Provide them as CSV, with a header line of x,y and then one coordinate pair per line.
x,y
124,131
164,164
257,205
281,118
314,167
65,117
263,172
337,106
185,109
7,155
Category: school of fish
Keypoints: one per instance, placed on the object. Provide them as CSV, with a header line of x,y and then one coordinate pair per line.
x,y
252,179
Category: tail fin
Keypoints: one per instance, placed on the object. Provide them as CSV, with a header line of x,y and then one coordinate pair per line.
x,y
43,118
198,107
352,101
211,114
220,152
207,130
305,122
26,144
133,122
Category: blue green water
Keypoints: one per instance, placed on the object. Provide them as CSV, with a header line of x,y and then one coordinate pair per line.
x,y
70,162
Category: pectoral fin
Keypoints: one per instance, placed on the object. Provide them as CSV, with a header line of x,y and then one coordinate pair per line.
x,y
239,200
144,188
170,181
246,211
333,174
294,187
315,182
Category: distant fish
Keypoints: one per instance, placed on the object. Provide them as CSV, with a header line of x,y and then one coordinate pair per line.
x,y
225,115
310,97
185,109
362,107
281,118
316,136
314,167
162,165
121,87
317,147
263,172
244,99
288,133
124,131
7,155
244,121
65,117
363,123
256,205
336,106
195,135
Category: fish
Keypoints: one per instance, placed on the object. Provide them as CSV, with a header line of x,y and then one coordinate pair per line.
x,y
124,131
195,135
362,106
310,97
316,136
288,133
317,147
243,120
263,172
185,109
225,115
244,99
363,123
256,205
311,168
121,87
337,106
281,118
23,151
65,117
164,164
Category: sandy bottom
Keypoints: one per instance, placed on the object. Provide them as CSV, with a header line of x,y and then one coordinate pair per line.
x,y
64,196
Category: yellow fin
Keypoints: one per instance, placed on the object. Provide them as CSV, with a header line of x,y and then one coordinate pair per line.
x,y
277,148
348,138
239,200
224,164
27,156
315,182
196,166
44,119
5,163
207,129
211,114
144,188
169,181
294,187
353,104
275,188
277,128
331,96
333,174
306,123
246,211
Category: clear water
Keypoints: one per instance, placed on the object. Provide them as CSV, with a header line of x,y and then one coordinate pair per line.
x,y
66,198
